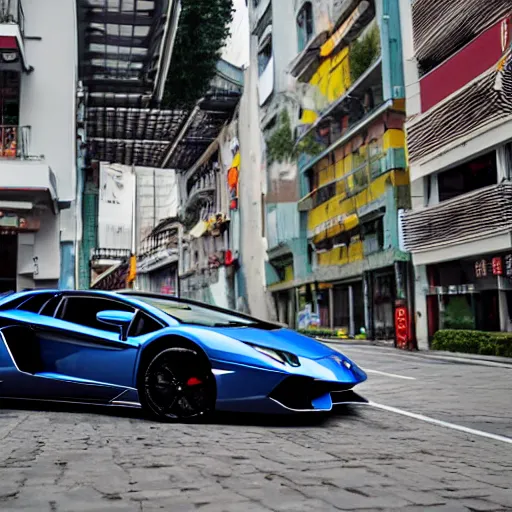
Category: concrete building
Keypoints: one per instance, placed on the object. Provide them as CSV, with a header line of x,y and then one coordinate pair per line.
x,y
272,47
336,168
38,180
209,209
459,133
124,54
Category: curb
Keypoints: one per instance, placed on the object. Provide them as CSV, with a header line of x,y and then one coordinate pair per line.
x,y
475,359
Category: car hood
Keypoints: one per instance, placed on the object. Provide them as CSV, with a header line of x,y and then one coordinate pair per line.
x,y
279,339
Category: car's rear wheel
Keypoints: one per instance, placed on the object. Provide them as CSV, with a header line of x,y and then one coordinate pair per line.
x,y
177,384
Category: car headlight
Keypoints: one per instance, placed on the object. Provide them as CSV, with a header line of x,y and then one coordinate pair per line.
x,y
277,355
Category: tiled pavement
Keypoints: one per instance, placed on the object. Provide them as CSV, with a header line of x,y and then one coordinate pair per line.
x,y
63,459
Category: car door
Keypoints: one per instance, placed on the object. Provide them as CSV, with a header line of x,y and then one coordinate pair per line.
x,y
71,353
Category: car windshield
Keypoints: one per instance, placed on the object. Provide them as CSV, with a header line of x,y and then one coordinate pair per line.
x,y
197,315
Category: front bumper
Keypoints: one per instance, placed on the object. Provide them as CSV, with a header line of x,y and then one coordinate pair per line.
x,y
315,386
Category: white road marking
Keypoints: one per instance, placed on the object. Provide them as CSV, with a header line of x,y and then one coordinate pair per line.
x,y
441,423
394,375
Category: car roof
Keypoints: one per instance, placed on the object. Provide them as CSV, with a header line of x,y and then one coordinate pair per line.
x,y
136,297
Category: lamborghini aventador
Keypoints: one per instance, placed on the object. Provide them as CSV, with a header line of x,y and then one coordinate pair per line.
x,y
175,358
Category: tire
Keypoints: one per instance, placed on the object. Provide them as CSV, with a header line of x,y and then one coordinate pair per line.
x,y
177,385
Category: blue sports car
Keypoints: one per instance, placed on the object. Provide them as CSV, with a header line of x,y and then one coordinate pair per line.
x,y
175,358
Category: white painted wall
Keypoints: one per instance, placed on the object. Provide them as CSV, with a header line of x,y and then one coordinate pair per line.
x,y
252,246
236,50
411,75
48,94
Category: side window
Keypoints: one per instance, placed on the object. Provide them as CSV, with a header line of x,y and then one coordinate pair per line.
x,y
143,324
48,309
35,303
83,311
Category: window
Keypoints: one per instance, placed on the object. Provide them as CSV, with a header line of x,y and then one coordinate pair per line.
x,y
478,173
195,314
35,303
144,324
49,307
264,57
305,25
83,311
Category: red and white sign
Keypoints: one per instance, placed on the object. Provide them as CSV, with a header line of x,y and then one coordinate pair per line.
x,y
497,266
402,327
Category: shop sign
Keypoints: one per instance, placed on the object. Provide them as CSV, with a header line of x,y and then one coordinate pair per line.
x,y
11,222
497,266
402,326
508,265
481,268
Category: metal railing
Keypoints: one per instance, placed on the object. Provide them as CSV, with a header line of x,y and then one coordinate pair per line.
x,y
14,141
11,11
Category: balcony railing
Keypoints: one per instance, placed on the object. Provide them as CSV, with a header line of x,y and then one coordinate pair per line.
x,y
11,11
471,216
14,141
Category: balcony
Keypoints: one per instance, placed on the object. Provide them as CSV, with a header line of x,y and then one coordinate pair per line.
x,y
24,178
14,141
472,217
12,30
11,12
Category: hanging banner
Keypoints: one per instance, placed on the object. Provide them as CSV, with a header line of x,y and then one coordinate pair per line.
x,y
233,177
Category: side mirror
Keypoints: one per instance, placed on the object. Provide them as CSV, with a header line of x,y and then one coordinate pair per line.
x,y
121,319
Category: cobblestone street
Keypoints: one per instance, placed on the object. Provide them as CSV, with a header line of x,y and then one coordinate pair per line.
x,y
362,458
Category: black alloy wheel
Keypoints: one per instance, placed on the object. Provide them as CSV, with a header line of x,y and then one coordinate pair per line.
x,y
178,385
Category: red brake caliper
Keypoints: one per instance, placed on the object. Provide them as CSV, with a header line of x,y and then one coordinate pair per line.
x,y
193,381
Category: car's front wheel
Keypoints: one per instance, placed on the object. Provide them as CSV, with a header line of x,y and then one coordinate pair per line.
x,y
177,384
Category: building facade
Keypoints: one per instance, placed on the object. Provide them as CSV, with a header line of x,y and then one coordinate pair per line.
x,y
333,230
209,201
459,104
37,144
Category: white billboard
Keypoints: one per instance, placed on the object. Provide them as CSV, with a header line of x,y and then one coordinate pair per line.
x,y
115,215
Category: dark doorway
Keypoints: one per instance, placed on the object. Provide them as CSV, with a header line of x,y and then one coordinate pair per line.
x,y
490,311
8,262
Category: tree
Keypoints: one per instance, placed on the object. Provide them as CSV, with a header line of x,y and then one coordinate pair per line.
x,y
202,32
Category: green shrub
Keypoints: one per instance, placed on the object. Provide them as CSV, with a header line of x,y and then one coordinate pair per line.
x,y
473,342
458,314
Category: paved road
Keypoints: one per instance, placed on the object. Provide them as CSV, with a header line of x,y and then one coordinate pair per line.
x,y
363,458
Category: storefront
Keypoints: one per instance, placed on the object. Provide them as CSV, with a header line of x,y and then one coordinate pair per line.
x,y
159,276
382,304
473,293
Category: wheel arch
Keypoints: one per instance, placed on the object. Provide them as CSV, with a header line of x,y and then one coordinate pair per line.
x,y
156,345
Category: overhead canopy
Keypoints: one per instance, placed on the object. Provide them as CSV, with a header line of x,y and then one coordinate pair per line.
x,y
125,54
123,46
132,136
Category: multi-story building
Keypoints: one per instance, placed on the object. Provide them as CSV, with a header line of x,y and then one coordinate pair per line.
x,y
206,155
335,245
38,73
459,133
124,55
273,45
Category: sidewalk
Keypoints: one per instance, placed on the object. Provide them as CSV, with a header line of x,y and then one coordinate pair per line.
x,y
455,357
